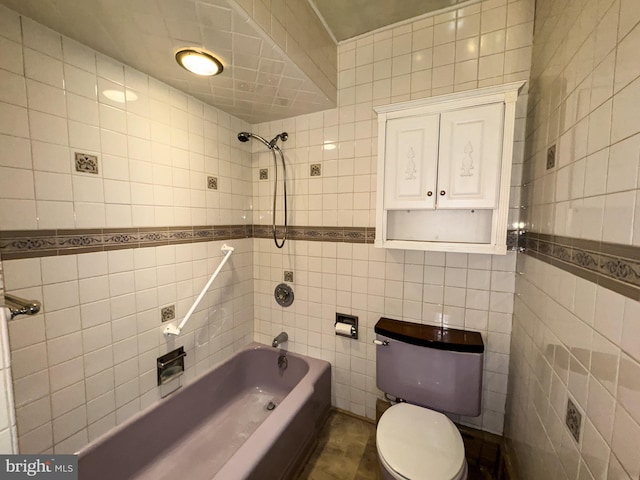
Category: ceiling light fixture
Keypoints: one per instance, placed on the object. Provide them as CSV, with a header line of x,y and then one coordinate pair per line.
x,y
198,62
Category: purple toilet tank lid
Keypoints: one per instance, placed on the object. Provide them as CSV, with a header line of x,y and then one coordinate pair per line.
x,y
429,336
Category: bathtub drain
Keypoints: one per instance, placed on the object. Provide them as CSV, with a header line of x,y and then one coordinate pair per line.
x,y
271,406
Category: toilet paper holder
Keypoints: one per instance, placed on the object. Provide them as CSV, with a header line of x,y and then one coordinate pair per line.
x,y
343,320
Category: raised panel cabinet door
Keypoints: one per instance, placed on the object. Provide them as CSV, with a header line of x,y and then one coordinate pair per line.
x,y
411,162
470,153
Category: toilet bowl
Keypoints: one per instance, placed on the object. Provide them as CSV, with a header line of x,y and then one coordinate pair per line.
x,y
415,443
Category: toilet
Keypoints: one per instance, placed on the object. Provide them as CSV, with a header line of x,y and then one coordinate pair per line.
x,y
429,370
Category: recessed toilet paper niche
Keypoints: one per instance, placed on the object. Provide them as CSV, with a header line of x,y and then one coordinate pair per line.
x,y
346,325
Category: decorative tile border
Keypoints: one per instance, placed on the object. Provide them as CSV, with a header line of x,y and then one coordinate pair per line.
x,y
613,266
16,244
318,234
43,243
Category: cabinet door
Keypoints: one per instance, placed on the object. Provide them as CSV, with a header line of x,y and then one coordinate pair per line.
x,y
411,162
470,152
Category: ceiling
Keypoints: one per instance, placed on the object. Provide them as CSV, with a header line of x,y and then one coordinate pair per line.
x,y
259,83
349,18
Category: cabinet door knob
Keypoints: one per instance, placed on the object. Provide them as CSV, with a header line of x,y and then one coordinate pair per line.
x,y
429,193
442,192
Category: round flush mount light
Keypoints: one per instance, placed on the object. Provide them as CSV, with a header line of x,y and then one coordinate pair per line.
x,y
198,62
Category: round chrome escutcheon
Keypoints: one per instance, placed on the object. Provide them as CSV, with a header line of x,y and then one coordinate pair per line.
x,y
283,294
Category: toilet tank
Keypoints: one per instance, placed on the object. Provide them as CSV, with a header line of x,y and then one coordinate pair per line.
x,y
438,368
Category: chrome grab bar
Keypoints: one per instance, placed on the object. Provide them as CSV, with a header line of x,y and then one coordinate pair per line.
x,y
20,306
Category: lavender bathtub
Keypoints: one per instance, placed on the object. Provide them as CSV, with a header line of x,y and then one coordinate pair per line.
x,y
219,427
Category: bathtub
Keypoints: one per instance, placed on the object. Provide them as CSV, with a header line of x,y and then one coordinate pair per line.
x,y
219,427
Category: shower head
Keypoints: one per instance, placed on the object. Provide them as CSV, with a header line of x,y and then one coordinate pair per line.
x,y
272,145
282,136
246,136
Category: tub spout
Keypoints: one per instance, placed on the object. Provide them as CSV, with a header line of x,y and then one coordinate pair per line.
x,y
281,338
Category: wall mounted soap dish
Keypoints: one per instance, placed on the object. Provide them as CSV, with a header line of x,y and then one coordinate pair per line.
x,y
170,365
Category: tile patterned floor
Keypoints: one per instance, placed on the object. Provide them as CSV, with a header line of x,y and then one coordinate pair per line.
x,y
347,451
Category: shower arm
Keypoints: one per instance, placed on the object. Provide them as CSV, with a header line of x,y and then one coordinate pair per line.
x,y
172,330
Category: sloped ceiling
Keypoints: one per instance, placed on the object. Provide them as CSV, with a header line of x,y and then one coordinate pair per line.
x,y
260,81
349,18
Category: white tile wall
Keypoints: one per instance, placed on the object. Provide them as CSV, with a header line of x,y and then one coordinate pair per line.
x,y
572,338
467,48
8,430
560,352
56,105
88,361
458,290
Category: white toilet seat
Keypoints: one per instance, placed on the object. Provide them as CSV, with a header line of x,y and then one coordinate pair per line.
x,y
415,443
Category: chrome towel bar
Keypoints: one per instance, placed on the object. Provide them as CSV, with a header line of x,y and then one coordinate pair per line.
x,y
20,306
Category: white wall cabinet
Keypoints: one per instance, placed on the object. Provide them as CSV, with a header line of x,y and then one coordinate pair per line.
x,y
469,166
411,176
446,165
